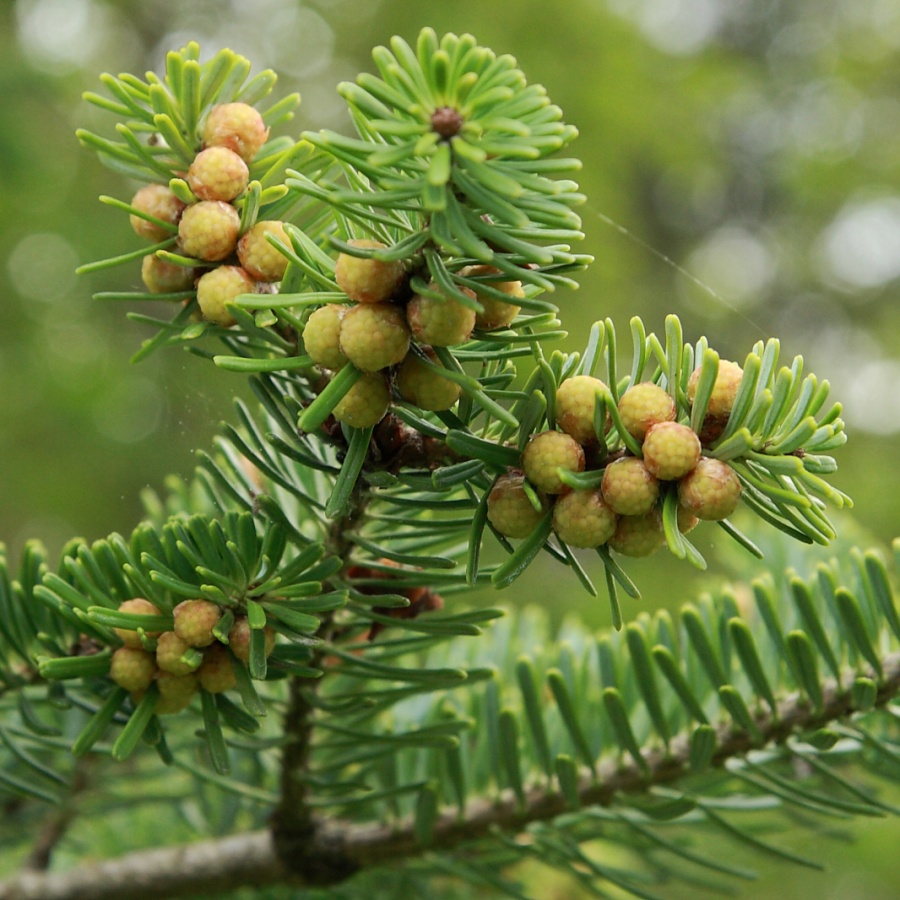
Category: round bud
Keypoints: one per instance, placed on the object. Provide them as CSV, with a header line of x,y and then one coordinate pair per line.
x,y
629,487
575,400
237,126
366,403
510,510
216,673
644,405
321,336
239,639
195,620
163,277
158,201
725,388
441,322
721,400
132,669
367,280
169,650
175,692
547,451
583,519
208,230
374,336
424,387
218,173
141,607
218,287
497,313
670,450
262,260
711,491
638,535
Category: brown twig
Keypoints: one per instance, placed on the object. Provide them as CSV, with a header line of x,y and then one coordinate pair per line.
x,y
57,823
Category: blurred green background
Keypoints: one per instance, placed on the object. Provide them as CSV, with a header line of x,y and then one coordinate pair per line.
x,y
742,168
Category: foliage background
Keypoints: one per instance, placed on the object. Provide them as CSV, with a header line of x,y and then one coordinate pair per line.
x,y
751,144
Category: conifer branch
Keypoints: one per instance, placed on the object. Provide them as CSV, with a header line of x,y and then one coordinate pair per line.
x,y
183,871
335,850
382,322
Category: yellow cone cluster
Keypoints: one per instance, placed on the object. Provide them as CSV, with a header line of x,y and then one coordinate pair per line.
x,y
625,511
184,660
389,333
208,229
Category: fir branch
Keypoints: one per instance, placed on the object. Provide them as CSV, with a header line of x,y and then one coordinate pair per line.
x,y
334,850
184,871
328,534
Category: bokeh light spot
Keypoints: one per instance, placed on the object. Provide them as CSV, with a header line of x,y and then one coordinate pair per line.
x,y
60,35
679,27
42,267
130,411
735,263
861,246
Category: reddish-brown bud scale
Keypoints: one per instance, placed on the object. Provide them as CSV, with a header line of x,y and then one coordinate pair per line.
x,y
447,121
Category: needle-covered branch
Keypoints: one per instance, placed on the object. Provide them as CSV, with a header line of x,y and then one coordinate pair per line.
x,y
335,850
288,627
